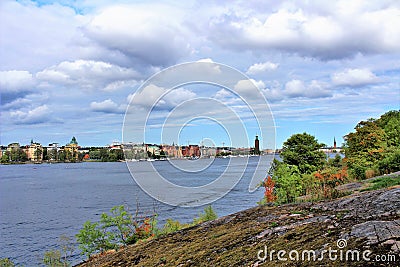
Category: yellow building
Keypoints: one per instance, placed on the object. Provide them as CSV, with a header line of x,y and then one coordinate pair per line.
x,y
35,152
71,150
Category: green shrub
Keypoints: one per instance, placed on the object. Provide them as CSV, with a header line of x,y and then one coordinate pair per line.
x,y
52,258
94,238
358,172
171,226
390,163
6,262
208,215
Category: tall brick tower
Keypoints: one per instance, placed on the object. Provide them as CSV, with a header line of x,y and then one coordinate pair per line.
x,y
334,142
257,146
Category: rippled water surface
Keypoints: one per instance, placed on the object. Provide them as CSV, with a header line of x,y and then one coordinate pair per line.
x,y
39,203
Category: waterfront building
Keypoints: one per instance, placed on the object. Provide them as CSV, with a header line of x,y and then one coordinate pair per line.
x,y
52,152
71,149
34,152
13,147
153,150
207,152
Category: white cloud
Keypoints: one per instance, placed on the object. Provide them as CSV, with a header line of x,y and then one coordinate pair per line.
x,y
152,34
249,88
106,106
88,74
37,115
332,32
38,36
15,81
208,60
297,88
261,67
153,95
354,77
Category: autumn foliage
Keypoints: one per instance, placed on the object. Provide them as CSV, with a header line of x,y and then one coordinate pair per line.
x,y
269,186
330,177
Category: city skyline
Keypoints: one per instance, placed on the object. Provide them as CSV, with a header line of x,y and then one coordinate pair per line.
x,y
70,68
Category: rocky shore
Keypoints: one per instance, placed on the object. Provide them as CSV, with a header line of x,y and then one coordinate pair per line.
x,y
361,229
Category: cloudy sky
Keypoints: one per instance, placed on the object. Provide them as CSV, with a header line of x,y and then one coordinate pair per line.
x,y
69,68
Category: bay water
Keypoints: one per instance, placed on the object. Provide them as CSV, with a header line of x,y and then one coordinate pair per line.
x,y
41,202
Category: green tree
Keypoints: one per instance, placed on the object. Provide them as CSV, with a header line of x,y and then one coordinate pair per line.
x,y
93,238
6,157
302,150
390,123
288,181
62,156
38,154
121,223
94,154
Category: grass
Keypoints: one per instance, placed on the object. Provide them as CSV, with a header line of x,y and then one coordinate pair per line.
x,y
383,182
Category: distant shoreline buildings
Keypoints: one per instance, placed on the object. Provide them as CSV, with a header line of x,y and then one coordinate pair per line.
x,y
72,152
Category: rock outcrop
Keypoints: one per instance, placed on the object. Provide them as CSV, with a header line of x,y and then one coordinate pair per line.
x,y
362,229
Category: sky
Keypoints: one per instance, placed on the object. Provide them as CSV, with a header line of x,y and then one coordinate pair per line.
x,y
73,68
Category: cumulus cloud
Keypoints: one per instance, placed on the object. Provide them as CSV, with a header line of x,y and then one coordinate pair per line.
x,y
151,34
107,106
38,35
261,67
297,88
354,77
37,115
88,74
159,97
15,84
16,81
249,88
332,33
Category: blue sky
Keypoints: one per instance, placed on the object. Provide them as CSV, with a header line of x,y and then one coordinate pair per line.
x,y
70,68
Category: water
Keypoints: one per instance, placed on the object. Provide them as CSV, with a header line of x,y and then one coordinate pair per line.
x,y
39,203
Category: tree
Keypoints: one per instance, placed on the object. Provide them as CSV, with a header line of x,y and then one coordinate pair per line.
x,y
390,123
375,146
93,238
269,191
302,150
288,182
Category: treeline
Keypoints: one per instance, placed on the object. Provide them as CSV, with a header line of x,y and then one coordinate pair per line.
x,y
94,154
306,174
106,155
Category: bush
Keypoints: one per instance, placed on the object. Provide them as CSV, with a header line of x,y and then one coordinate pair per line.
x,y
390,163
94,238
171,226
6,262
370,173
118,228
208,215
358,172
52,258
287,180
